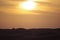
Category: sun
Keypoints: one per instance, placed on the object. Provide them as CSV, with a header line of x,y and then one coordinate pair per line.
x,y
28,5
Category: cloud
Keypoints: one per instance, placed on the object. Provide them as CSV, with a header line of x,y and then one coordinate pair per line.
x,y
49,14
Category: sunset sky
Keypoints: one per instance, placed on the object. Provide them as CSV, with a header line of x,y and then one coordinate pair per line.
x,y
46,14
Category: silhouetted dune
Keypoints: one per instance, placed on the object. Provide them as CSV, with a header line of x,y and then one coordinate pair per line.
x,y
29,34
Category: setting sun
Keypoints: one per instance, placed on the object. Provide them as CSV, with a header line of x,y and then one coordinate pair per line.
x,y
28,5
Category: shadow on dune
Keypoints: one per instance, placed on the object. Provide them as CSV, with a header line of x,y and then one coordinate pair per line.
x,y
29,34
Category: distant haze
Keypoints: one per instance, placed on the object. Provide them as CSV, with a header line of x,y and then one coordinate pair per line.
x,y
46,15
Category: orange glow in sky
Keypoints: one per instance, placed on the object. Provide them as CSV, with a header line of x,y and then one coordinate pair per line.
x,y
29,13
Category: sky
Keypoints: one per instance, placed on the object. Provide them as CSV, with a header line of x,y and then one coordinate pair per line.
x,y
45,15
